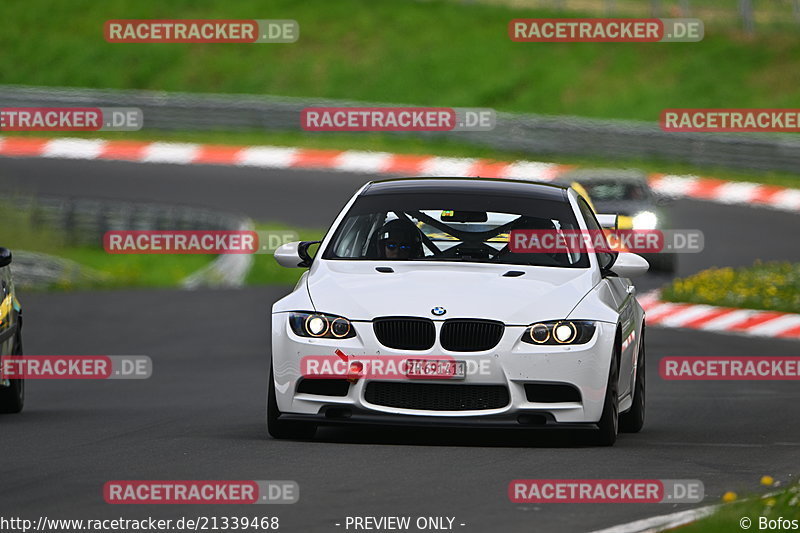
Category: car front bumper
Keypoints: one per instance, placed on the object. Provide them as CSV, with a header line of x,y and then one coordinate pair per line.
x,y
511,364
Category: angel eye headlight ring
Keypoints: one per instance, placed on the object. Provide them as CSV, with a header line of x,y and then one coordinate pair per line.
x,y
539,333
560,332
564,332
313,324
316,325
340,327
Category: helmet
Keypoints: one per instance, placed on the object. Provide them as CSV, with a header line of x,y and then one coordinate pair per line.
x,y
400,235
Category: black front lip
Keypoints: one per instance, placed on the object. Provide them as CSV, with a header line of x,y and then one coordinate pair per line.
x,y
336,415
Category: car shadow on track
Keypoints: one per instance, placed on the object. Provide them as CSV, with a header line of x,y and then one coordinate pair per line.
x,y
526,438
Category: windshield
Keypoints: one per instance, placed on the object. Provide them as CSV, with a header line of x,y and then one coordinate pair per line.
x,y
600,191
450,227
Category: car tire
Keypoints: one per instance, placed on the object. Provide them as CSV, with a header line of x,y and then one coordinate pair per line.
x,y
608,426
12,398
284,429
632,421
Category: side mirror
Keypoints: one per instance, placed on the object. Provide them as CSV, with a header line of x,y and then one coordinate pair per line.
x,y
629,265
5,257
295,254
608,221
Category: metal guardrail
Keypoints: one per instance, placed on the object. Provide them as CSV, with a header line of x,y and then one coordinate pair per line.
x,y
527,133
84,222
33,270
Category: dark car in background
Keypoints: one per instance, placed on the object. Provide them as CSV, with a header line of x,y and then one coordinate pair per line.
x,y
628,194
12,391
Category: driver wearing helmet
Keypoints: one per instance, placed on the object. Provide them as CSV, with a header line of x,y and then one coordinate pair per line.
x,y
399,239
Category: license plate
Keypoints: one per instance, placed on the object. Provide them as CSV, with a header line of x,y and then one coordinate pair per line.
x,y
435,369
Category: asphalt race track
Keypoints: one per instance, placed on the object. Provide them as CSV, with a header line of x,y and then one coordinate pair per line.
x,y
201,414
734,235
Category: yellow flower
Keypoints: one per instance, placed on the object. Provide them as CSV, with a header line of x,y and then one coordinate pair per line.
x,y
767,480
770,502
729,496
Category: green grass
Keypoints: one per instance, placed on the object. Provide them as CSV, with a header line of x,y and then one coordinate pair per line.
x,y
773,286
783,504
132,270
116,270
415,145
426,53
770,15
431,53
137,270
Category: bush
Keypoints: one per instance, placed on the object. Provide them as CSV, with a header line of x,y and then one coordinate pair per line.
x,y
773,286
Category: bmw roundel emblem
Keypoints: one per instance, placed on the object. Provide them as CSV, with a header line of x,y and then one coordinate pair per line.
x,y
438,311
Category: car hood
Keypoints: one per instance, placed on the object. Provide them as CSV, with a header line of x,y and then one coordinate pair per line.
x,y
356,290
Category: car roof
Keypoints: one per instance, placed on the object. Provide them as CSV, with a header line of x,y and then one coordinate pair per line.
x,y
480,186
603,174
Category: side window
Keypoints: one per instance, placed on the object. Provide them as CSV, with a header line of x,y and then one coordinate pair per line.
x,y
588,214
356,235
606,259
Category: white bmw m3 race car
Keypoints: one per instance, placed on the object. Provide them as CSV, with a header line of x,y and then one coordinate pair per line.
x,y
420,271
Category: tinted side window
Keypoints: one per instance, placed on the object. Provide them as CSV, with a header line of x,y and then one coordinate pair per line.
x,y
588,215
606,259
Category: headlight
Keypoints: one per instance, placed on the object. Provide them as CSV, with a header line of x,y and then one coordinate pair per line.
x,y
559,332
645,220
320,325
